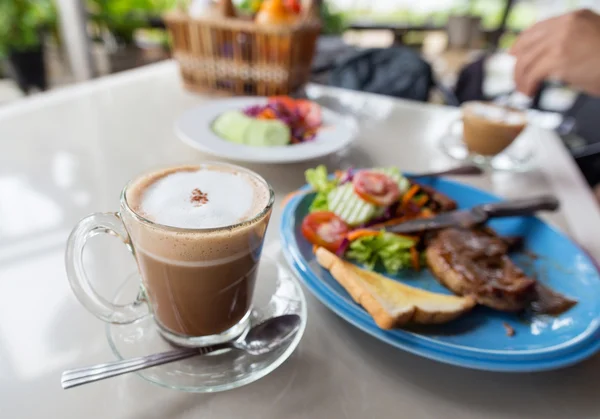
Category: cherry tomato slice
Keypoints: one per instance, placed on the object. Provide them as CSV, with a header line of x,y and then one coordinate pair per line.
x,y
288,102
310,111
325,229
376,188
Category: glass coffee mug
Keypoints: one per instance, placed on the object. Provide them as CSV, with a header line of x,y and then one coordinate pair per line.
x,y
487,134
198,282
488,129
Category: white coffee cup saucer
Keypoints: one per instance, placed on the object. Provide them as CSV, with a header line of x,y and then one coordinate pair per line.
x,y
277,292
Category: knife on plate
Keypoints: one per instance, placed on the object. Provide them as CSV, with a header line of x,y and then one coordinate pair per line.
x,y
477,215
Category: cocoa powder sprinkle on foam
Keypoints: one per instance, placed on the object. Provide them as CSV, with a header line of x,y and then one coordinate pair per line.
x,y
198,197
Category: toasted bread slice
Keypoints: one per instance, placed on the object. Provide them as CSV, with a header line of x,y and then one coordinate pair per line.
x,y
389,302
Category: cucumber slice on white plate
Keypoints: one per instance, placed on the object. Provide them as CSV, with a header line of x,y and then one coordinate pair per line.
x,y
271,133
239,128
232,126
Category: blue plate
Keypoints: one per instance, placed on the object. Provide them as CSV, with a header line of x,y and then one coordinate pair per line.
x,y
478,339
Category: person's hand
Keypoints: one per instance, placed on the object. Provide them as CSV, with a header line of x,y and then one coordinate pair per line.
x,y
565,48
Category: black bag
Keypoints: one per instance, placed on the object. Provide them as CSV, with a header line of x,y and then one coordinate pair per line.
x,y
580,132
395,71
469,85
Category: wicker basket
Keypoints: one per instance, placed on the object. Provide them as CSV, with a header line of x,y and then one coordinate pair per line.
x,y
230,55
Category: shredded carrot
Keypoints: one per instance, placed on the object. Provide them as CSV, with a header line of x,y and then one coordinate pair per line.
x,y
339,173
373,231
426,213
315,247
412,191
414,256
362,232
267,114
289,196
421,201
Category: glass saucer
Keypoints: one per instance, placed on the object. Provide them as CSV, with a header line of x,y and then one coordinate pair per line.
x,y
516,158
277,292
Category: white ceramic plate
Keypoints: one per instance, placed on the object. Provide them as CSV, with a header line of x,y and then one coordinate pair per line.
x,y
194,128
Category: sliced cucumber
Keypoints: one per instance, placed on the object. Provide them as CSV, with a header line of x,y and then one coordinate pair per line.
x,y
346,204
349,206
236,127
394,173
232,126
267,133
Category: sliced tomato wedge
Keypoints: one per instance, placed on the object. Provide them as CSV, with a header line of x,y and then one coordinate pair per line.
x,y
310,112
285,101
325,229
376,188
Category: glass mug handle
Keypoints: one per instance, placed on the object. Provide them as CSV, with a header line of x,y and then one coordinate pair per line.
x,y
109,223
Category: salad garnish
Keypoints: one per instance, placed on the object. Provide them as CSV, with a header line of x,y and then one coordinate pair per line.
x,y
350,210
392,251
376,188
323,185
325,229
302,116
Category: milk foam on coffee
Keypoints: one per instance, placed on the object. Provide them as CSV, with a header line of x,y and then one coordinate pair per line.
x,y
176,199
496,113
201,198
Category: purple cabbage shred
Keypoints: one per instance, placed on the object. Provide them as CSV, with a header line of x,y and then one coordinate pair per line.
x,y
348,176
343,247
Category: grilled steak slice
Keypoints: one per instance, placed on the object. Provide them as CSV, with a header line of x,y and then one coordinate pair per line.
x,y
472,262
548,301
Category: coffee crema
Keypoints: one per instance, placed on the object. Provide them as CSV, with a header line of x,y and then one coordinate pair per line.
x,y
200,279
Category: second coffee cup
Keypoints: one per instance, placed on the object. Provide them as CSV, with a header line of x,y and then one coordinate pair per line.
x,y
488,129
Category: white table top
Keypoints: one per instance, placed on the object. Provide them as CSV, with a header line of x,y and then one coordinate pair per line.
x,y
68,153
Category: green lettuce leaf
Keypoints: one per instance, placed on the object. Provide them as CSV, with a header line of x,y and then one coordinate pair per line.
x,y
319,203
320,182
388,250
319,179
397,175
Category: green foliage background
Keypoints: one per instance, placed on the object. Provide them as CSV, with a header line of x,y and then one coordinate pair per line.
x,y
123,17
21,22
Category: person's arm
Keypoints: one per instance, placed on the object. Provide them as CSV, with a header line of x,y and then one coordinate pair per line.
x,y
566,48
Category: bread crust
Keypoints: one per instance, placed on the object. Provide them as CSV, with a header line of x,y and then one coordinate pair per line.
x,y
410,305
